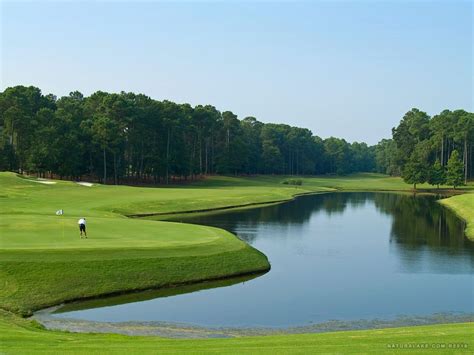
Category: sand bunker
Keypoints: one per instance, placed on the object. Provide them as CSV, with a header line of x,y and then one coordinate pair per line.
x,y
45,182
88,184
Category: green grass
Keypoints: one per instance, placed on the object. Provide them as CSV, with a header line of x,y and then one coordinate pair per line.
x,y
43,262
355,182
22,336
463,205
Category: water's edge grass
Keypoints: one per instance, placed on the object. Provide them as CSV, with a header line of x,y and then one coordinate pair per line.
x,y
463,207
23,336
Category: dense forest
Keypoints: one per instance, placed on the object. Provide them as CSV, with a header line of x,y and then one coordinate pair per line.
x,y
127,137
437,149
131,137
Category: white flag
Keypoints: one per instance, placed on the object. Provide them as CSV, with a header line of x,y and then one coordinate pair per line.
x,y
59,212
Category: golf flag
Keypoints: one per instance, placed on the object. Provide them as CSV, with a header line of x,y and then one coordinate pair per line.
x,y
59,212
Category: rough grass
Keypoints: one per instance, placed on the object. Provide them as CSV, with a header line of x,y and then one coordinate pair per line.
x,y
18,335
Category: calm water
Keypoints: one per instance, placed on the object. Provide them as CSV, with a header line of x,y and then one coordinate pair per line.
x,y
340,256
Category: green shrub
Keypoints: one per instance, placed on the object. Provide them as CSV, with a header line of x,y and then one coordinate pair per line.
x,y
296,182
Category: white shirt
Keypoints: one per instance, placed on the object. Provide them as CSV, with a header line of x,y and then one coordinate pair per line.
x,y
82,221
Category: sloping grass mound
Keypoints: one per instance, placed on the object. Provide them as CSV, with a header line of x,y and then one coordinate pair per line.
x,y
33,281
463,205
43,261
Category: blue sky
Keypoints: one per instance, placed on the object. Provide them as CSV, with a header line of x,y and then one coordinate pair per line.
x,y
343,68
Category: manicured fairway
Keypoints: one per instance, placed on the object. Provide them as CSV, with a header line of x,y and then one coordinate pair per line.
x,y
43,261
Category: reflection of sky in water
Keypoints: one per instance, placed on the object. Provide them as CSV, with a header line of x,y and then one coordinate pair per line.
x,y
334,256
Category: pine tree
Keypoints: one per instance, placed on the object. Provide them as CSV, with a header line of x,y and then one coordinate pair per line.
x,y
416,170
437,175
455,170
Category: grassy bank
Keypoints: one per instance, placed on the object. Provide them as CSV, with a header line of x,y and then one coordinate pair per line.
x,y
43,261
19,334
463,205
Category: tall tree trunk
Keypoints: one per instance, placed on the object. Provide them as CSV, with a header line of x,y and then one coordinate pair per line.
x,y
206,159
105,167
115,169
228,151
90,162
297,163
20,154
140,173
200,154
465,159
442,150
288,164
191,162
126,157
167,157
470,160
449,153
12,135
212,154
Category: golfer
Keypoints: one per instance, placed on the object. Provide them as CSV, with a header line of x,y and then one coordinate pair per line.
x,y
82,226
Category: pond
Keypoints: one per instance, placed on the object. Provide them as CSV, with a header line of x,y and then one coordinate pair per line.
x,y
337,256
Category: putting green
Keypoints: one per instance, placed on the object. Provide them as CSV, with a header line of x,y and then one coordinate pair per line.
x,y
48,232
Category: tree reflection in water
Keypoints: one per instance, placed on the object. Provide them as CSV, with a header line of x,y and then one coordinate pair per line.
x,y
418,222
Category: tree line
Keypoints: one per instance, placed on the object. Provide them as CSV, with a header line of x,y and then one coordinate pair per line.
x,y
128,137
437,149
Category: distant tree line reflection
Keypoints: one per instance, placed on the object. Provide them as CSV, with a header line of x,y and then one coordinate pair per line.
x,y
418,221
